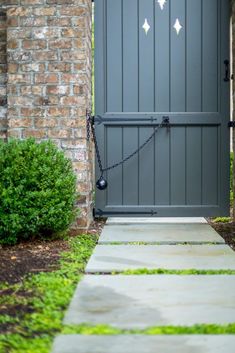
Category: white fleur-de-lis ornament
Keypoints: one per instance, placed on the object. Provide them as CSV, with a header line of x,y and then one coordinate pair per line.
x,y
177,26
161,4
146,26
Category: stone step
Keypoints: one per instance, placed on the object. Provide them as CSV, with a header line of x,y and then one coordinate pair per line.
x,y
109,258
160,233
154,220
144,344
141,301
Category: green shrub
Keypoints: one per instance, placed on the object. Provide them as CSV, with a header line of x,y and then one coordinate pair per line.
x,y
37,190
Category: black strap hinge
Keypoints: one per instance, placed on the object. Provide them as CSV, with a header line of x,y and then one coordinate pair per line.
x,y
231,124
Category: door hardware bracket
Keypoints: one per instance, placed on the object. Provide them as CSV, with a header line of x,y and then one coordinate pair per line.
x,y
231,124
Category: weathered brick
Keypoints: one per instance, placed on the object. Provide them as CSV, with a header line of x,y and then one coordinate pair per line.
x,y
34,44
13,44
33,67
61,2
73,123
19,78
73,78
58,111
19,11
14,133
72,11
18,33
60,44
21,101
21,122
72,100
26,90
12,21
78,90
33,112
45,56
44,11
59,133
32,2
47,78
45,122
36,133
37,90
45,32
58,90
73,55
33,21
59,67
71,32
46,101
59,21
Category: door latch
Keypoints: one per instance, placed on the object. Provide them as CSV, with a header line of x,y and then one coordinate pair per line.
x,y
227,71
166,122
231,124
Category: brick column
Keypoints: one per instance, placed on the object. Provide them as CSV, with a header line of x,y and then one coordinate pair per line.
x,y
3,74
49,81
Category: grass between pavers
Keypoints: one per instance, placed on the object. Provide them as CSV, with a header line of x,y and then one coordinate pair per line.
x,y
162,271
160,243
203,329
40,301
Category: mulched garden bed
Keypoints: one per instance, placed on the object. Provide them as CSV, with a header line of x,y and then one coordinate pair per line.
x,y
227,231
34,256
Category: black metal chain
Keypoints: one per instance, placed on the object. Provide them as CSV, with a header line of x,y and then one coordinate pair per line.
x,y
90,125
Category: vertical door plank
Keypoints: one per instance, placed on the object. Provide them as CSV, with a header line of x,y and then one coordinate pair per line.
x,y
130,168
162,167
194,56
178,166
113,155
210,55
162,58
114,55
146,168
146,57
178,89
193,164
130,56
210,165
100,62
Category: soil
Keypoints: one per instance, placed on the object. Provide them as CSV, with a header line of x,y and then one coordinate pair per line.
x,y
226,230
29,257
35,256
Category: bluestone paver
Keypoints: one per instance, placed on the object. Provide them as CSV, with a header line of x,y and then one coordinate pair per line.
x,y
160,233
144,344
142,301
109,258
156,220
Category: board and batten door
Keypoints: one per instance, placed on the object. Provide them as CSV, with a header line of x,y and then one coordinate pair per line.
x,y
156,58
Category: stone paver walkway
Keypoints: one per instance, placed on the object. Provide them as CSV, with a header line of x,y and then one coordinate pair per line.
x,y
144,344
142,301
160,234
113,258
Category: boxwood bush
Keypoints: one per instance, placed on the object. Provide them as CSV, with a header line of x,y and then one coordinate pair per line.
x,y
37,190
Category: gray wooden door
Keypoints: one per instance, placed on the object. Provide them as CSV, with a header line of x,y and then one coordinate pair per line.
x,y
156,58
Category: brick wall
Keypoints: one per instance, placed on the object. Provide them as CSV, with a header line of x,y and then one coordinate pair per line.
x,y
3,74
49,80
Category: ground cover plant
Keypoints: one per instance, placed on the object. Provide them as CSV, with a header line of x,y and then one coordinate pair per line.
x,y
37,190
31,311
